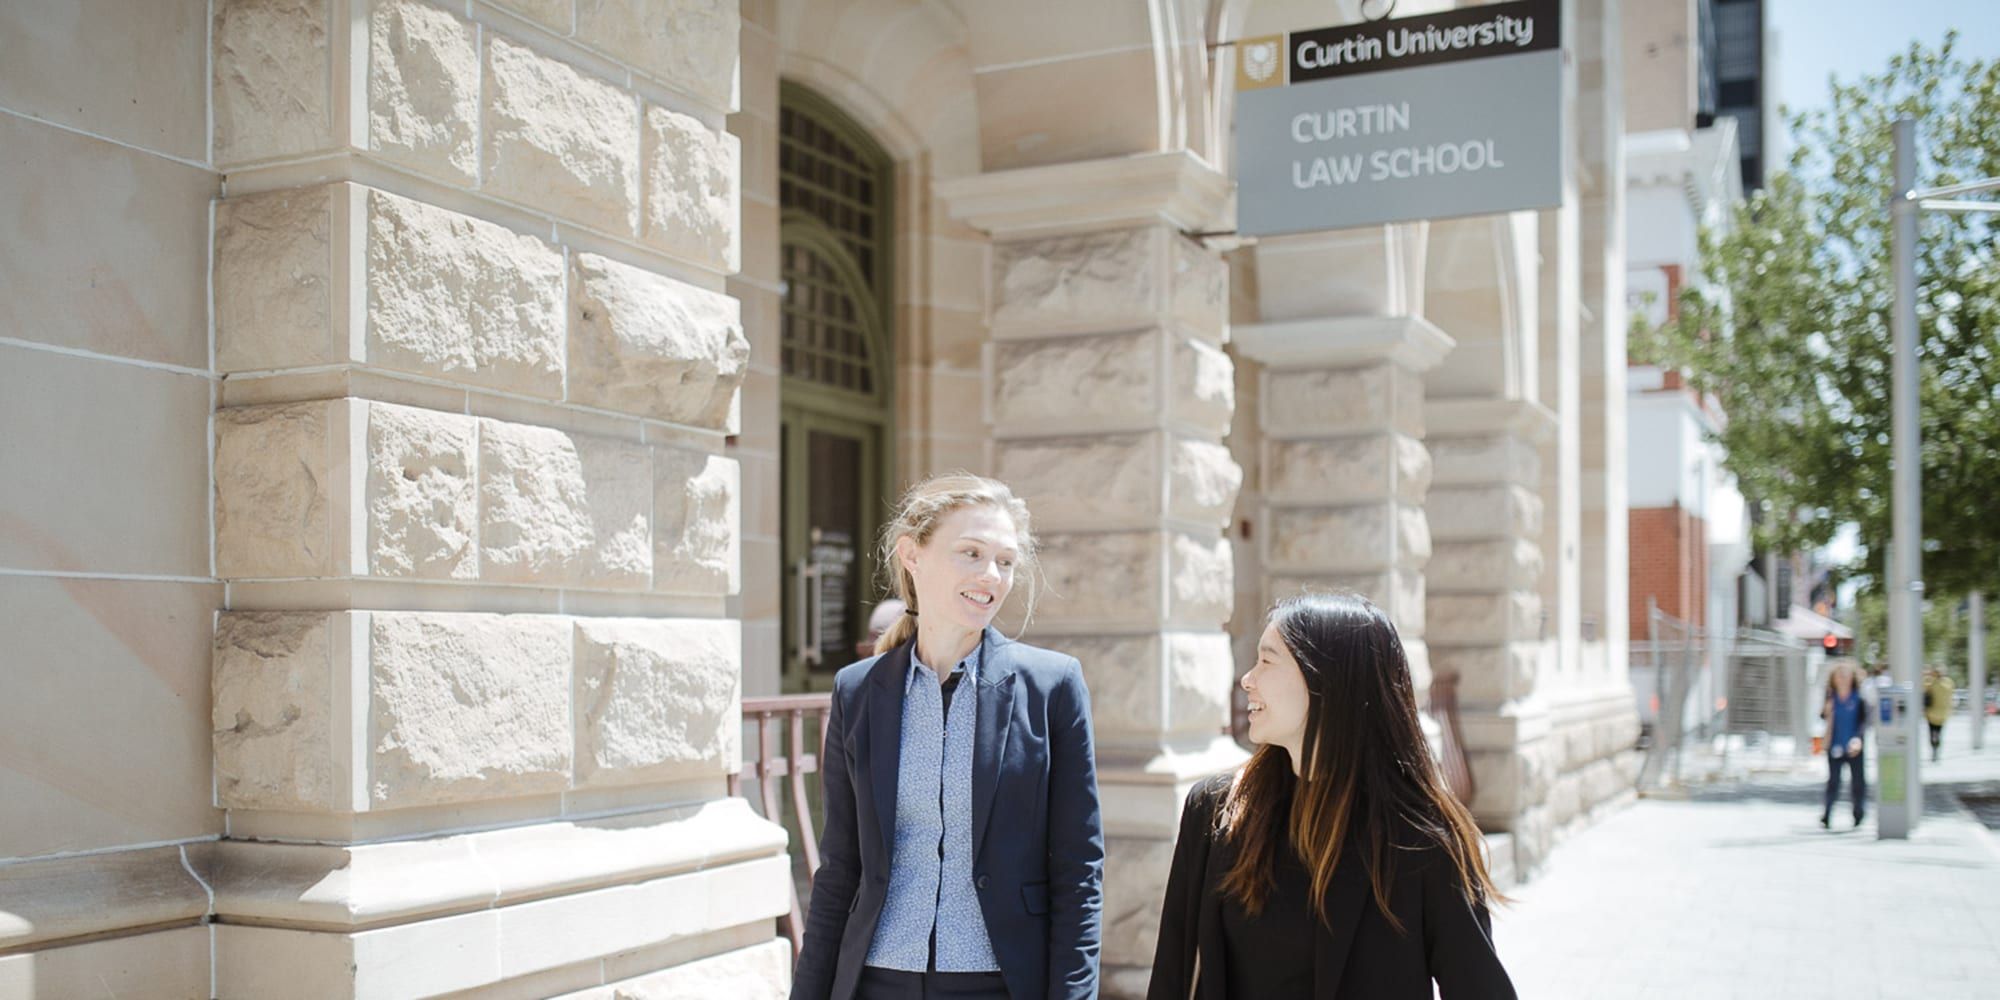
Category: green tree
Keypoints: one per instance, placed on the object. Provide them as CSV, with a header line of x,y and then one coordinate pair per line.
x,y
1947,628
1792,336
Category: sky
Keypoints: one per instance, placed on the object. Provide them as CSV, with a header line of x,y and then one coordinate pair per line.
x,y
1845,38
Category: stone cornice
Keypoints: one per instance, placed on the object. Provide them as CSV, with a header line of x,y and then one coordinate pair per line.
x,y
1344,341
1177,188
1486,417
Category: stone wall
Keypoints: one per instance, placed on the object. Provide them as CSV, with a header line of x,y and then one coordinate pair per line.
x,y
400,342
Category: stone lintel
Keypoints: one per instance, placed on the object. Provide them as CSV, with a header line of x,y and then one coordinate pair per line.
x,y
1176,188
329,887
1486,417
1142,796
1344,342
58,899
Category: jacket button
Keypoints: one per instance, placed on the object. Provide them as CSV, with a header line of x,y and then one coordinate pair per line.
x,y
979,883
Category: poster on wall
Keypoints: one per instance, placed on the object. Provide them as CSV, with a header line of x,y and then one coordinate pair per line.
x,y
1428,117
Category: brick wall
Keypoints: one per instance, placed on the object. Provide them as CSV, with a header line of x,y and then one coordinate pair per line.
x,y
1669,563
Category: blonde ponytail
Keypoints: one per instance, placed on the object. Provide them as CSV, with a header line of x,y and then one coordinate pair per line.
x,y
917,518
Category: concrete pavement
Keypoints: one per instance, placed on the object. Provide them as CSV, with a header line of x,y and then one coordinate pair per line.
x,y
1733,890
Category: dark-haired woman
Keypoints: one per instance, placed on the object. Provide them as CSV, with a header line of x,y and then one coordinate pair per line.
x,y
1334,862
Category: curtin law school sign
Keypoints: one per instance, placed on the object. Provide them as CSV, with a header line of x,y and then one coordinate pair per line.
x,y
1428,117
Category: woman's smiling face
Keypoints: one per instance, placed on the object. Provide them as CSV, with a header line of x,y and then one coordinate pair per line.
x,y
1278,696
964,573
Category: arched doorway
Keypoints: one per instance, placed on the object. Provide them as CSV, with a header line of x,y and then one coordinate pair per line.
x,y
837,394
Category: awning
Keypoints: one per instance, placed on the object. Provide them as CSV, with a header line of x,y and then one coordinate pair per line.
x,y
1805,623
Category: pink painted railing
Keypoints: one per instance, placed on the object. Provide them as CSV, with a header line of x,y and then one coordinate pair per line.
x,y
782,756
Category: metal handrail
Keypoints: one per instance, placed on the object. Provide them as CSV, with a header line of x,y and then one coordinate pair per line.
x,y
784,718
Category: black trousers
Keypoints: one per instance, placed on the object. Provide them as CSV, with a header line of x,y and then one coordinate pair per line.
x,y
1937,737
1833,766
895,984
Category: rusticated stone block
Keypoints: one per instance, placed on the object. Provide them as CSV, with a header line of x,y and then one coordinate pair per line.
x,y
1204,386
273,71
1124,673
1202,582
656,700
459,298
273,280
1348,539
1465,619
1200,669
1135,880
1084,482
1478,460
1494,563
557,509
421,494
1322,403
1203,482
1094,281
689,45
1356,468
1076,381
1200,288
646,344
423,89
273,474
1490,674
697,516
272,706
1494,511
559,140
1103,578
692,200
467,706
552,13
1398,592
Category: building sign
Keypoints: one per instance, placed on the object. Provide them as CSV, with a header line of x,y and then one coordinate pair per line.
x,y
1429,117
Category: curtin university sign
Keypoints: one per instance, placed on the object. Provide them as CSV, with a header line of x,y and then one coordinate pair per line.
x,y
1429,117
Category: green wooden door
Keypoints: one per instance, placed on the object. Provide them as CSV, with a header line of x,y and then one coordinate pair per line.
x,y
836,397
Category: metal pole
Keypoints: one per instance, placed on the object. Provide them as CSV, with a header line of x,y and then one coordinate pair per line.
x,y
1976,679
1898,819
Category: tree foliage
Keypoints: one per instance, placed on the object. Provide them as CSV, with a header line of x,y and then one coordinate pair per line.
x,y
1792,335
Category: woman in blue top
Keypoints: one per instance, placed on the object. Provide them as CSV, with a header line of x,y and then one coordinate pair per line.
x,y
1846,718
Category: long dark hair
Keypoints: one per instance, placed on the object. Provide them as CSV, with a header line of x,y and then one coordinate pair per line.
x,y
1367,779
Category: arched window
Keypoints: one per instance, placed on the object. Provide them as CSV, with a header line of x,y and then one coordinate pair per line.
x,y
837,394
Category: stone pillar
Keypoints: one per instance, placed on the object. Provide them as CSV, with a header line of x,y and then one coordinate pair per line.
x,y
1485,602
1344,467
1108,394
476,686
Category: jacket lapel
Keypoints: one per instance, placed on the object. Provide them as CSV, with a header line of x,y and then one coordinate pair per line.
x,y
989,732
886,686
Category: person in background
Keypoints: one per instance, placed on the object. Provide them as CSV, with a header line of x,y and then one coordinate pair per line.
x,y
1335,862
1938,690
963,846
1846,715
879,621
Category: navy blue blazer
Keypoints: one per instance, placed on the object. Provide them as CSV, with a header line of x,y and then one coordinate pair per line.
x,y
1037,837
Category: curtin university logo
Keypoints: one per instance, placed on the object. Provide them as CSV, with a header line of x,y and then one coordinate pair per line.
x,y
1261,62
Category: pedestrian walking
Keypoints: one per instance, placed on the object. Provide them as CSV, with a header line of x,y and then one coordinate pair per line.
x,y
1334,862
1938,690
1846,715
962,852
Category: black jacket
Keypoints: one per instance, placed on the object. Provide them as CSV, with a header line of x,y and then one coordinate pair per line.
x,y
1037,837
1445,938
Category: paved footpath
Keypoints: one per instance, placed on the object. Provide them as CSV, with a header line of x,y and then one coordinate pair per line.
x,y
1733,890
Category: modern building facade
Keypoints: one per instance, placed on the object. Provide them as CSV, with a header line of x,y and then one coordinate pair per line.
x,y
425,421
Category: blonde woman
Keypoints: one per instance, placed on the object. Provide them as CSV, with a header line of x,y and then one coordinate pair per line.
x,y
962,851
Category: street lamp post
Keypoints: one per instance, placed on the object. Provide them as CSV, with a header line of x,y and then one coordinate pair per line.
x,y
1896,819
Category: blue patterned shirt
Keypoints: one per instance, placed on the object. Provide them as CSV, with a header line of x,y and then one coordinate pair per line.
x,y
930,868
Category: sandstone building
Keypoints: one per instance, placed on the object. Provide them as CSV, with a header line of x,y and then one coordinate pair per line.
x,y
423,421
